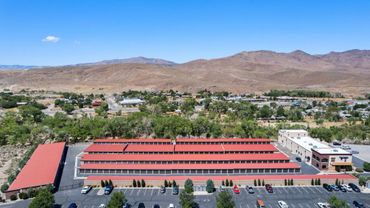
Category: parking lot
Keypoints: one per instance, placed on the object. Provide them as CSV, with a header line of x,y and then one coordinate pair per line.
x,y
295,197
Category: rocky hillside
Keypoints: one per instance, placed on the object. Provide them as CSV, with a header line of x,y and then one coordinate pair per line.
x,y
346,72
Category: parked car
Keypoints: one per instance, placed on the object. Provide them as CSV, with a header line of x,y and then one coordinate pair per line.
x,y
358,204
141,205
342,188
250,189
86,189
222,188
283,204
72,205
102,206
108,190
175,190
163,189
126,205
156,206
298,159
334,187
348,188
327,187
354,187
260,203
236,189
323,205
269,188
171,206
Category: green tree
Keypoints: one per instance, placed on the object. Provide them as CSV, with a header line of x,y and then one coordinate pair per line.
x,y
366,166
117,200
224,200
134,183
4,187
312,182
43,199
265,112
143,184
188,186
210,188
165,183
335,202
280,111
227,182
187,199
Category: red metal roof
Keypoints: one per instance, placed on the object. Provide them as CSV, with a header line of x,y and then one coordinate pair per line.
x,y
249,147
182,157
106,148
149,148
188,166
178,148
41,168
219,178
148,140
198,148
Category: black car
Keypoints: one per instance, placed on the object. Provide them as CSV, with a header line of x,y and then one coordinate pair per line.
x,y
141,205
327,187
354,187
126,205
156,206
358,204
72,205
108,190
298,159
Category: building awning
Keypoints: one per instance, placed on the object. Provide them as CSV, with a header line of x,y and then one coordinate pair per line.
x,y
341,163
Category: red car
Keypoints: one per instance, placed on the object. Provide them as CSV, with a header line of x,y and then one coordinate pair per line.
x,y
269,188
236,189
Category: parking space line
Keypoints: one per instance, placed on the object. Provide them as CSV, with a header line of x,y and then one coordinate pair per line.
x,y
300,205
151,193
145,191
138,192
305,190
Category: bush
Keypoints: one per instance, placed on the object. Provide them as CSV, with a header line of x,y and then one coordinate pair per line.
x,y
367,166
13,197
23,195
4,187
359,170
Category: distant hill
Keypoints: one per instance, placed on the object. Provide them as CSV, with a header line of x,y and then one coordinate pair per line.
x,y
134,60
16,67
347,72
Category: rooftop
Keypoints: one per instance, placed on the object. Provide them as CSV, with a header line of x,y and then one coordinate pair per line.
x,y
331,151
41,169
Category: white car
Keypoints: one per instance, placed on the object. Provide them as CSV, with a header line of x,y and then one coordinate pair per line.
x,y
171,206
86,189
347,187
102,206
323,205
282,204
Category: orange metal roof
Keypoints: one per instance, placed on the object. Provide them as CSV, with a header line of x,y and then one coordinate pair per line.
x,y
41,168
149,148
189,166
249,147
220,140
198,148
182,157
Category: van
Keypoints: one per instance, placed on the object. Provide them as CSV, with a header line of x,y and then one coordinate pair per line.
x,y
260,203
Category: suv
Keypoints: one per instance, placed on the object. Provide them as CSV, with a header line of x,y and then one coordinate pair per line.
x,y
108,190
358,204
334,187
354,187
156,206
175,190
236,189
327,187
250,189
141,205
342,188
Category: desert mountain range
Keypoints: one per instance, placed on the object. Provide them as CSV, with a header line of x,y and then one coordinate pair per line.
x,y
347,72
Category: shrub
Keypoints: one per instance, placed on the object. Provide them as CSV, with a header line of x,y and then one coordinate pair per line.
x,y
4,187
359,170
13,197
367,166
23,195
231,183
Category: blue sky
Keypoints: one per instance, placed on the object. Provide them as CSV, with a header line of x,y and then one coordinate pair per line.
x,y
90,30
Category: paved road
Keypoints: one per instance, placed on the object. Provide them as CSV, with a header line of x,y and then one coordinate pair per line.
x,y
67,181
296,197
